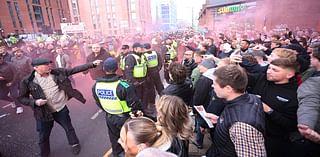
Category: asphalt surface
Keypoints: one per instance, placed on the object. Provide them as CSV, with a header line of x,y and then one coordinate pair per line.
x,y
18,135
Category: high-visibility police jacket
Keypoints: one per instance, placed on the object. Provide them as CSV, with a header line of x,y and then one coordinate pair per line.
x,y
122,62
152,59
106,93
171,51
140,69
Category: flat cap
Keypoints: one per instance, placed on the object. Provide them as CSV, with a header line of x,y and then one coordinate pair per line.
x,y
40,61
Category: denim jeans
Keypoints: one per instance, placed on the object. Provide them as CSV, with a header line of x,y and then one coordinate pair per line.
x,y
44,129
199,134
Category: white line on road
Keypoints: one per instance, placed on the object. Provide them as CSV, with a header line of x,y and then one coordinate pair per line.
x,y
96,114
10,104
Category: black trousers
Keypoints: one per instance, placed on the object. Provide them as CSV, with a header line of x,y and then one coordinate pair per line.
x,y
114,124
44,129
154,80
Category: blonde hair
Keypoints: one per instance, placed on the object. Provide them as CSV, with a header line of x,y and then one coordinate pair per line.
x,y
145,130
173,116
286,53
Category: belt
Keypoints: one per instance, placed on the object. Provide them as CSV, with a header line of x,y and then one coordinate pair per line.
x,y
126,114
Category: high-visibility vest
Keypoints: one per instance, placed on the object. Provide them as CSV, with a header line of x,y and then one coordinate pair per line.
x,y
107,95
122,62
140,69
152,59
172,51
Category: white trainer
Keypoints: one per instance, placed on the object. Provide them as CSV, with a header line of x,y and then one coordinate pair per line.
x,y
19,110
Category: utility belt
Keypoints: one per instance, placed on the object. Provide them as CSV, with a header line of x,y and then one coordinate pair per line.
x,y
122,115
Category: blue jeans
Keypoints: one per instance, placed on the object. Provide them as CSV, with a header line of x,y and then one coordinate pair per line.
x,y
199,134
44,129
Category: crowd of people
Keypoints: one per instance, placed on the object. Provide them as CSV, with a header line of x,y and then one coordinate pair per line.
x,y
260,90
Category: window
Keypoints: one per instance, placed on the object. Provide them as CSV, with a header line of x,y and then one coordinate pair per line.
x,y
50,3
13,19
36,2
54,25
133,7
38,15
18,14
76,19
109,25
74,8
48,16
133,16
30,14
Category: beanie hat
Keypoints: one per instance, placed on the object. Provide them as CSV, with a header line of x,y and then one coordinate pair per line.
x,y
208,63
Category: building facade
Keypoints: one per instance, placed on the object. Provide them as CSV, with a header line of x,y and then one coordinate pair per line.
x,y
33,16
259,14
165,15
112,17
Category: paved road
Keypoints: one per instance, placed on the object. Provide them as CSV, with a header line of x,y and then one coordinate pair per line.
x,y
18,136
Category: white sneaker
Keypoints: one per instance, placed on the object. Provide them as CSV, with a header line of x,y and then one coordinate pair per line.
x,y
19,110
13,105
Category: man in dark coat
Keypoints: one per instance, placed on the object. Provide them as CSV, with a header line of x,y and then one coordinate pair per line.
x,y
50,90
98,53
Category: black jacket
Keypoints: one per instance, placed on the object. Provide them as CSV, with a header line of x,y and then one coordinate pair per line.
x,y
282,98
9,72
179,147
28,87
190,65
202,92
247,109
98,71
184,90
124,93
212,50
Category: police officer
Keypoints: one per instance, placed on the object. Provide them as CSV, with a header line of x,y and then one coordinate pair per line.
x,y
125,49
117,98
136,71
153,81
154,64
168,50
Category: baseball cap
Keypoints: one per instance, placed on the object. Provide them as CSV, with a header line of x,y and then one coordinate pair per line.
x,y
110,64
135,45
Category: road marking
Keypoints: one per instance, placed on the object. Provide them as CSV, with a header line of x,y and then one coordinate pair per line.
x,y
96,114
108,153
7,105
